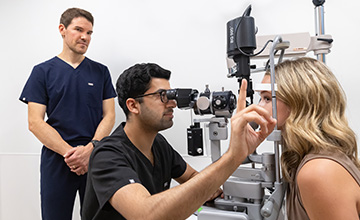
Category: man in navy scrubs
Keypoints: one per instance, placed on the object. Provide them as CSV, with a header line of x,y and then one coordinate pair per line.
x,y
77,96
130,171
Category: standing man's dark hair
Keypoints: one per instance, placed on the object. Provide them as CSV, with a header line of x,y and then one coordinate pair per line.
x,y
72,13
136,80
77,96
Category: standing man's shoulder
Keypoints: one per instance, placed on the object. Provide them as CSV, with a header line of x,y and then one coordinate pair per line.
x,y
35,87
49,63
52,65
98,69
95,64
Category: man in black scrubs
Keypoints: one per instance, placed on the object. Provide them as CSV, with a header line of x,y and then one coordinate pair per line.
x,y
130,171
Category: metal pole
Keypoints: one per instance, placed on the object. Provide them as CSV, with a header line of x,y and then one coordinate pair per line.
x,y
277,40
319,24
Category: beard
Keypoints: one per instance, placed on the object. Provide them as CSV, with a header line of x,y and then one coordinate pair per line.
x,y
165,125
156,121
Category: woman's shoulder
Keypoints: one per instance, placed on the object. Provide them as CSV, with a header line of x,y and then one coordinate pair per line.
x,y
324,184
320,170
326,164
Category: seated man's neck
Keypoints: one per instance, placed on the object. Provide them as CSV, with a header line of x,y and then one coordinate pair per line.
x,y
142,138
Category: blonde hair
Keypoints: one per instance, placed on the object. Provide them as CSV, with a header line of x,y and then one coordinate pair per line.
x,y
317,112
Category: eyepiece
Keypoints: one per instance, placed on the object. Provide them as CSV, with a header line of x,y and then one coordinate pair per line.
x,y
171,93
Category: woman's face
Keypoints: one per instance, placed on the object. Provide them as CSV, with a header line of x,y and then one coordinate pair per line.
x,y
283,111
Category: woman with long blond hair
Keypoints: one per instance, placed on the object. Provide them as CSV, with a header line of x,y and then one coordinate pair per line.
x,y
320,151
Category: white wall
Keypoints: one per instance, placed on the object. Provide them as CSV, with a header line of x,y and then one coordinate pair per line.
x,y
188,37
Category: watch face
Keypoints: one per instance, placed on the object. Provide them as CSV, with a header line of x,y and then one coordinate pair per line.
x,y
94,142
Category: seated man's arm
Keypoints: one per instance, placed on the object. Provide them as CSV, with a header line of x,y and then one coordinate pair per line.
x,y
188,174
134,201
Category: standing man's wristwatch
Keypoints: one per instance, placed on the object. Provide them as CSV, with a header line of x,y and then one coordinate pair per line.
x,y
94,142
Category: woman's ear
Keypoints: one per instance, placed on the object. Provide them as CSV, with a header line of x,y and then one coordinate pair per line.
x,y
132,105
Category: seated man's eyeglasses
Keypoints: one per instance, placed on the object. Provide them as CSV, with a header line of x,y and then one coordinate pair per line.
x,y
161,92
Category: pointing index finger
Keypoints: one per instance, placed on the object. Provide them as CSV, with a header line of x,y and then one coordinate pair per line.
x,y
241,102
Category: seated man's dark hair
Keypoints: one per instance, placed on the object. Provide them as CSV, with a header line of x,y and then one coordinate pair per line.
x,y
136,81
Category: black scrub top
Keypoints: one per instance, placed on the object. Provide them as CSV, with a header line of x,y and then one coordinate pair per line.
x,y
116,162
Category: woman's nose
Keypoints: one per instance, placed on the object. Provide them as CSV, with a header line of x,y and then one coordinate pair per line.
x,y
261,103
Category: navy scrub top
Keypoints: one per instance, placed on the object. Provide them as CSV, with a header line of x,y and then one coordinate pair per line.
x,y
73,97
